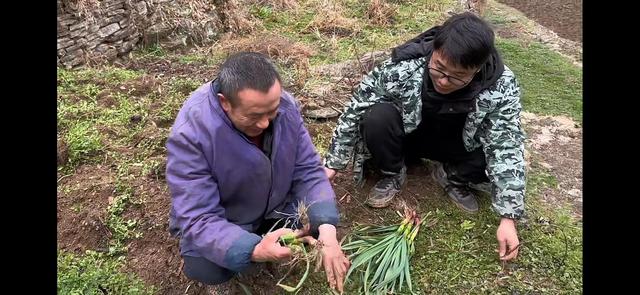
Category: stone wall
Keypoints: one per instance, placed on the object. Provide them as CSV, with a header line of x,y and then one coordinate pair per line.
x,y
102,30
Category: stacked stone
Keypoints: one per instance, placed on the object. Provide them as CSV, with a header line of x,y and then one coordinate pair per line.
x,y
107,36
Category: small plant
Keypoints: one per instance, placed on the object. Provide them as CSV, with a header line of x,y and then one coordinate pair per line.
x,y
299,254
298,248
467,225
83,141
155,49
121,229
96,273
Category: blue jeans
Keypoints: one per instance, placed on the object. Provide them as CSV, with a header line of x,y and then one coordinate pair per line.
x,y
202,270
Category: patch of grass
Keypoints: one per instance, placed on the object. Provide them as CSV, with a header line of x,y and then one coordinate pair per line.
x,y
553,256
125,121
115,75
495,19
96,273
154,167
321,134
321,142
414,18
152,145
102,76
97,111
84,142
70,112
292,21
184,86
121,229
457,254
264,13
191,58
78,91
171,102
311,27
154,50
77,208
537,179
421,15
121,115
550,84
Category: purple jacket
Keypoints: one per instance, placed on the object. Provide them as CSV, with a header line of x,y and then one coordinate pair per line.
x,y
223,186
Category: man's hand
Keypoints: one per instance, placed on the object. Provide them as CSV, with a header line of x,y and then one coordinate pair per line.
x,y
330,173
336,264
269,249
507,239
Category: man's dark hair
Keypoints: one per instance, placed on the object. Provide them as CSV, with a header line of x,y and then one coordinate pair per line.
x,y
246,70
465,40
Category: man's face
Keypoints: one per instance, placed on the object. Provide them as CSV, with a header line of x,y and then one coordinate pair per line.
x,y
253,110
446,76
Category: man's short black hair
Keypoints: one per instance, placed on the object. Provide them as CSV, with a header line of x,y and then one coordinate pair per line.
x,y
465,40
246,70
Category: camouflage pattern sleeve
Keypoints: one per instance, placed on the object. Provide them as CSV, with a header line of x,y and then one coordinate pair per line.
x,y
503,145
372,89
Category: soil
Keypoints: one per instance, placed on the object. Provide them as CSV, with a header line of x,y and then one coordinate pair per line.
x,y
561,16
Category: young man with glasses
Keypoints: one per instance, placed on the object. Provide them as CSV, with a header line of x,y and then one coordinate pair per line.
x,y
445,96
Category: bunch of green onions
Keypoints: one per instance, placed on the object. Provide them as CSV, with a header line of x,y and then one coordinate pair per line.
x,y
381,254
299,252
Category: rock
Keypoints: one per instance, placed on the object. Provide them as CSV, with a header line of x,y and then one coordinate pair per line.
x,y
135,119
312,105
65,42
141,7
108,30
323,113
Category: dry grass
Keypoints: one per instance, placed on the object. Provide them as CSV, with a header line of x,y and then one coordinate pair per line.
x,y
278,4
380,12
330,20
273,45
201,19
87,9
476,6
293,55
234,16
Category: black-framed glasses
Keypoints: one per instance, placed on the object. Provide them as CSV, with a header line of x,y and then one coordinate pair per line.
x,y
438,74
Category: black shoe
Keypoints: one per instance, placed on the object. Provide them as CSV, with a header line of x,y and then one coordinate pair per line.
x,y
483,187
458,193
386,189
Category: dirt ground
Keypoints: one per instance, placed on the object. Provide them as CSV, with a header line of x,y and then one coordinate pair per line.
x,y
561,16
555,144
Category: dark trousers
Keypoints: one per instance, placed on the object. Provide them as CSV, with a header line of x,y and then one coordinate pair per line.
x,y
205,271
383,133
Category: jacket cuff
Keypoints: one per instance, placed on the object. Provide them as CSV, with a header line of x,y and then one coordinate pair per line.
x,y
238,257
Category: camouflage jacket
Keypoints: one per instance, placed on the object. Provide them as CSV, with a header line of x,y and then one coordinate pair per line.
x,y
494,126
